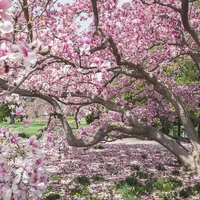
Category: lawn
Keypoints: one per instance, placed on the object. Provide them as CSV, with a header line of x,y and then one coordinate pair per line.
x,y
37,124
21,128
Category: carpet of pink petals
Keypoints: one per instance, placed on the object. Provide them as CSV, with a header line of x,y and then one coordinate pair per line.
x,y
113,162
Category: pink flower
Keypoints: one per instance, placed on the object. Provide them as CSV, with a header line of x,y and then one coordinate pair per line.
x,y
38,161
19,111
14,138
3,131
26,121
30,56
5,4
33,142
24,48
6,19
3,171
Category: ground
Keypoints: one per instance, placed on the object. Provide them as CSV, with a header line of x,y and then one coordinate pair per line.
x,y
125,169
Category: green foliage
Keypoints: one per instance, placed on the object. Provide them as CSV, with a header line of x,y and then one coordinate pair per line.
x,y
187,73
175,173
83,180
135,167
99,147
167,184
52,196
130,96
185,193
91,117
131,181
160,167
196,188
98,178
81,192
131,187
4,112
127,193
143,175
190,191
56,178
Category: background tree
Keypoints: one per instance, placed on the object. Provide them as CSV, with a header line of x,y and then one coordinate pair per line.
x,y
4,112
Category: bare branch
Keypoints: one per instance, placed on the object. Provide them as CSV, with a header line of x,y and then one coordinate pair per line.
x,y
162,4
67,62
95,13
27,17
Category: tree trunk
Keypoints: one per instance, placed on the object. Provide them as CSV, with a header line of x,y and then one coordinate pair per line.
x,y
190,160
12,119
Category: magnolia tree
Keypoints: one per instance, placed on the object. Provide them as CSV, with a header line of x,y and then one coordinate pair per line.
x,y
118,60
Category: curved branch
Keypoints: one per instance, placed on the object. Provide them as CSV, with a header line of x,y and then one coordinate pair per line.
x,y
144,131
5,86
185,21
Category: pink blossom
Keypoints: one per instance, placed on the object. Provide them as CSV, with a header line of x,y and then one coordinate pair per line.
x,y
19,111
6,24
5,4
30,56
3,171
33,142
3,131
26,121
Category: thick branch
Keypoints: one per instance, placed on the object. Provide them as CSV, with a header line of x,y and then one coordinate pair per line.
x,y
5,86
144,131
196,58
185,21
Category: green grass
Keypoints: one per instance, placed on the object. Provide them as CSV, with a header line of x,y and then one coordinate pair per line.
x,y
38,124
21,128
72,123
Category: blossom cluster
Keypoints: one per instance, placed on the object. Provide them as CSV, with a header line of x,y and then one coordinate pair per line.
x,y
22,173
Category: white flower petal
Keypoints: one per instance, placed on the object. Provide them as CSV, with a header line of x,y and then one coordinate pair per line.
x,y
15,56
32,57
6,27
7,193
3,58
17,179
25,177
26,62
